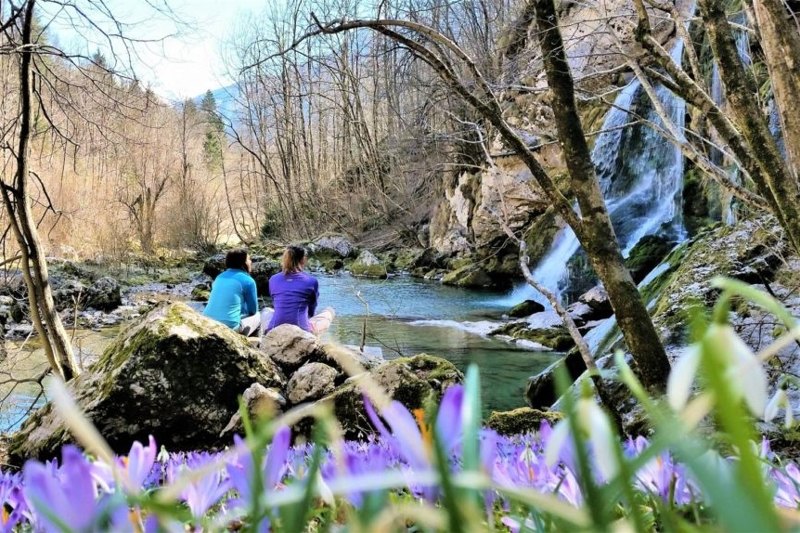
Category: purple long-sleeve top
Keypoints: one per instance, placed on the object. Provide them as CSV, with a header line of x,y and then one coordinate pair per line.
x,y
294,297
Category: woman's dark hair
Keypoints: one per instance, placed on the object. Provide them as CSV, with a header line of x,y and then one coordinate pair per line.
x,y
237,259
293,259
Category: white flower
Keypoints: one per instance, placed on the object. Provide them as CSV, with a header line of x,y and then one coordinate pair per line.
x,y
777,401
745,372
679,384
593,421
556,442
788,416
598,426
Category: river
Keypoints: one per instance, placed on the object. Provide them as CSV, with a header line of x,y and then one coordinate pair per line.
x,y
404,316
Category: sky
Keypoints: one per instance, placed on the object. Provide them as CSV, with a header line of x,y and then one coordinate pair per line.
x,y
186,58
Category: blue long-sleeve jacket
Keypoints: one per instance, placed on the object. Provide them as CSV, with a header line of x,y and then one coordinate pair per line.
x,y
233,296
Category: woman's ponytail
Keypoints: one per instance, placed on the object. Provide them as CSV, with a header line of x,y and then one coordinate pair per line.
x,y
292,260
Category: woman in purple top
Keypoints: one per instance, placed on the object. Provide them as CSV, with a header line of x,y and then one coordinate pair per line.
x,y
295,293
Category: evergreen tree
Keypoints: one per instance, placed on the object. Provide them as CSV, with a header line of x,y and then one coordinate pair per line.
x,y
212,145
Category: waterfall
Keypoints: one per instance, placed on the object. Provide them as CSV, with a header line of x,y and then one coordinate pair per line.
x,y
641,176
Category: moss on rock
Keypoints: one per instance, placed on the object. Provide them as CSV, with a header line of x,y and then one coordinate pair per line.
x,y
520,421
415,382
470,276
174,374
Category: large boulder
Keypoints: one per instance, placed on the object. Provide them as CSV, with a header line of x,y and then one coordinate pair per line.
x,y
103,294
540,391
291,347
525,309
545,328
263,269
367,265
469,276
311,382
416,382
174,374
333,245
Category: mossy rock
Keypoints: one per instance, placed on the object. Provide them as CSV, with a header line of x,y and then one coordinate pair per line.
x,y
554,337
174,374
416,382
647,254
749,251
201,293
469,276
526,308
368,266
521,420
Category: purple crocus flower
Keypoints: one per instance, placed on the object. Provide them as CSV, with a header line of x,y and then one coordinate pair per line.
x,y
241,469
66,499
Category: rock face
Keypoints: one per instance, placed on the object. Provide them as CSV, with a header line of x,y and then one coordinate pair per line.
x,y
333,246
311,382
263,269
367,265
175,374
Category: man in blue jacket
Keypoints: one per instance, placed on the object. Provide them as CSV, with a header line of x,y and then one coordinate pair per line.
x,y
234,300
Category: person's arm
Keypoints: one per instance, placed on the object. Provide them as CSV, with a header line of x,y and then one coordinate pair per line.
x,y
312,304
250,298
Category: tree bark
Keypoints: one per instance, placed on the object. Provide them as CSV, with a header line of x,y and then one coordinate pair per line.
x,y
779,186
780,41
596,233
44,315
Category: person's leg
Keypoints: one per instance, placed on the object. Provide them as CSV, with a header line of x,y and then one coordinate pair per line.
x,y
322,321
266,317
250,326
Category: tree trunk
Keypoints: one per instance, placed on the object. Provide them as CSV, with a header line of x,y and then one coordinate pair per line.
x,y
44,315
780,41
740,91
595,231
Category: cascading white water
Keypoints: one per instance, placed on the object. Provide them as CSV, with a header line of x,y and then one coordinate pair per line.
x,y
641,175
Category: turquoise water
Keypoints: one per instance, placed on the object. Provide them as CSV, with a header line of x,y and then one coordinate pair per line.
x,y
404,316
409,316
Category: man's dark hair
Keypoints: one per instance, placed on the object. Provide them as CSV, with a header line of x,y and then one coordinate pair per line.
x,y
236,259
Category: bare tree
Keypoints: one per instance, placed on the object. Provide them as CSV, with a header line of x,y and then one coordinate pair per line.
x,y
592,224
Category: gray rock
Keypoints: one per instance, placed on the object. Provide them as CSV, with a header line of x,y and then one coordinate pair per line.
x,y
367,265
174,374
261,402
311,382
291,347
333,245
597,299
412,381
526,308
104,294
